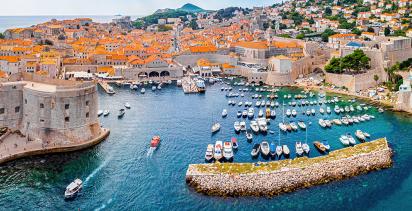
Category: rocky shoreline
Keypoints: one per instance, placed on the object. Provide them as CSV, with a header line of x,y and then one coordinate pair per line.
x,y
289,175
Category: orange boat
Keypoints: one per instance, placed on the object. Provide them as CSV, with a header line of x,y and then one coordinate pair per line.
x,y
155,141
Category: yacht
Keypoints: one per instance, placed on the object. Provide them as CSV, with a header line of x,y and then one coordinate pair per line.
x,y
254,126
264,146
73,188
209,153
218,150
228,150
299,149
215,127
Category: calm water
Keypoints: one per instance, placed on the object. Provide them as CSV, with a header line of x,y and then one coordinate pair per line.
x,y
118,174
7,22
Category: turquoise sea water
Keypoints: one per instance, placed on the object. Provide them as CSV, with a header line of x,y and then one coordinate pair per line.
x,y
119,175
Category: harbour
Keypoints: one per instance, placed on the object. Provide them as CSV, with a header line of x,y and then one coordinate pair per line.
x,y
151,114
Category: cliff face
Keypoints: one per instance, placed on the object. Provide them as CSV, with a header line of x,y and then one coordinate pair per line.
x,y
277,177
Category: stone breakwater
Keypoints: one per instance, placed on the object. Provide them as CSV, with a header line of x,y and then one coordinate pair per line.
x,y
273,178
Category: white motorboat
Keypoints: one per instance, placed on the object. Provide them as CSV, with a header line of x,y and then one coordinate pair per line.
x,y
337,122
236,125
264,146
255,150
313,111
260,113
106,113
224,113
337,109
218,150
143,90
254,126
351,139
359,134
308,112
240,104
242,126
298,147
286,150
305,148
228,150
209,152
179,82
272,104
99,112
321,110
251,113
257,104
215,127
279,150
159,87
288,113
283,127
322,123
328,110
249,136
153,88
73,188
127,105
244,113
273,114
262,124
328,123
344,139
294,113
302,125
293,126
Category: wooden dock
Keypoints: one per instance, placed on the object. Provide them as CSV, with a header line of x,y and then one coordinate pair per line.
x,y
189,85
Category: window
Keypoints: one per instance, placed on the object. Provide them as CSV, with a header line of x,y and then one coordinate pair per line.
x,y
67,106
17,109
67,119
25,101
41,120
87,115
1,110
87,102
41,105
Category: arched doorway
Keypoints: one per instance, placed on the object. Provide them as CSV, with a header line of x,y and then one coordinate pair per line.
x,y
153,74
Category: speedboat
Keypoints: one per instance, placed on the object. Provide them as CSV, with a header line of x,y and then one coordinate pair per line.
x,y
73,188
337,109
236,125
239,114
351,139
99,112
279,150
159,87
264,146
121,113
251,113
293,125
273,114
257,104
344,139
267,115
328,123
283,127
242,126
255,150
228,150
215,127
218,150
328,110
143,90
367,135
326,144
249,136
337,122
321,110
209,152
224,113
294,113
244,113
262,125
308,112
254,126
285,150
298,147
260,114
305,148
154,143
288,112
153,88
127,105
322,123
313,111
106,113
240,104
302,125
360,135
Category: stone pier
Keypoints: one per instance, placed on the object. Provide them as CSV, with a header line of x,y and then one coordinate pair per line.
x,y
273,178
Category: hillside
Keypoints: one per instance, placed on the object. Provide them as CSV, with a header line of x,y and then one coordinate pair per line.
x,y
191,8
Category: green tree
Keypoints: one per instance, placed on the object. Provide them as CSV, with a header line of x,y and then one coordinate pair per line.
x,y
376,78
354,63
1,35
163,28
328,11
387,31
300,36
193,25
138,24
326,34
356,31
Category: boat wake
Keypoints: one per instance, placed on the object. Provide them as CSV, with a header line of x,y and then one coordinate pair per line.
x,y
96,171
150,151
104,205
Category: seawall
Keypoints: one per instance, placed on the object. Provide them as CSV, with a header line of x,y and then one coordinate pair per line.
x,y
31,151
273,178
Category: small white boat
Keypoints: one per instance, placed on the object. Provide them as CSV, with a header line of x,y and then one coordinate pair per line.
x,y
298,147
302,125
215,127
127,105
254,126
351,139
249,136
143,90
260,114
279,150
313,111
360,135
294,113
242,126
288,112
344,139
328,110
273,114
236,125
337,122
244,113
251,113
262,124
73,188
305,148
239,114
328,123
228,150
322,123
99,112
218,150
106,113
209,152
321,110
154,88
293,126
264,146
224,113
283,127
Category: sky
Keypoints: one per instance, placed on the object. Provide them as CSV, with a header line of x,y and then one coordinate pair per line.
x,y
112,7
